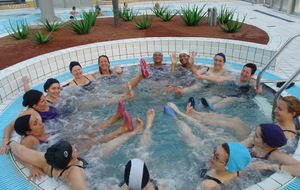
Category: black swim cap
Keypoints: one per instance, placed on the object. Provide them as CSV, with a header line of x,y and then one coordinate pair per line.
x,y
22,124
222,55
73,64
31,98
59,155
49,82
136,174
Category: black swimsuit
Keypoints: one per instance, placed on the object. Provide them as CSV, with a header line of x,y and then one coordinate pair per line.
x,y
204,176
61,173
85,84
289,131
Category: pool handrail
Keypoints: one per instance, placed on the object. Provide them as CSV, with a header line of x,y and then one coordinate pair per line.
x,y
284,86
258,82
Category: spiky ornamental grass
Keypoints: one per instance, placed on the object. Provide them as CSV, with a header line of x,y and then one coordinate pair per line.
x,y
144,21
192,16
126,15
231,25
20,32
51,26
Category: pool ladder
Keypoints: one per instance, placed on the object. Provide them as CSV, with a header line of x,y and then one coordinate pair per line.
x,y
287,83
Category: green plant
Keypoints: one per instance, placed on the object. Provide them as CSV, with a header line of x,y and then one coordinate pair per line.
x,y
90,15
40,38
225,14
159,11
192,16
126,15
167,16
21,31
51,26
80,26
231,25
144,22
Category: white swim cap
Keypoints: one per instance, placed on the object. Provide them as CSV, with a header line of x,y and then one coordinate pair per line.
x,y
184,51
157,51
136,174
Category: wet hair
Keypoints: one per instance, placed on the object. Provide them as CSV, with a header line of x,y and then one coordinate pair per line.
x,y
293,104
49,82
252,66
226,148
31,98
22,124
73,8
108,62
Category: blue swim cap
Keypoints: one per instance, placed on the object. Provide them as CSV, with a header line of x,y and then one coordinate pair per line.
x,y
222,55
239,157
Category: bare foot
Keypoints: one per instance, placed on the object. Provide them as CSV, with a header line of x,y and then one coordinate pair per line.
x,y
169,89
139,124
178,90
150,118
173,106
129,95
189,109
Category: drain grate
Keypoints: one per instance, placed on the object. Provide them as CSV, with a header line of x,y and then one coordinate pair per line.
x,y
273,16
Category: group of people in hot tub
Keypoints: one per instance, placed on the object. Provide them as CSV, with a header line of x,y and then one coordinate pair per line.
x,y
227,160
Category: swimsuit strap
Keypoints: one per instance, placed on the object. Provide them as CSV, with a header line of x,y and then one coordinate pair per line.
x,y
207,69
87,78
75,82
61,173
289,131
121,184
269,153
238,173
214,179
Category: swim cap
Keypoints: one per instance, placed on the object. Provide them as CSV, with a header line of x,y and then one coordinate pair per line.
x,y
157,51
22,124
59,155
184,51
222,55
239,157
31,98
136,174
49,82
73,64
273,135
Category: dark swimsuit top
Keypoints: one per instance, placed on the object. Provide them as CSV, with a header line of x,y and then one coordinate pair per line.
x,y
241,85
61,173
85,84
153,181
50,114
204,176
253,155
290,131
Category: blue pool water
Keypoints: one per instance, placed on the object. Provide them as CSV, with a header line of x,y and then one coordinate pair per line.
x,y
168,152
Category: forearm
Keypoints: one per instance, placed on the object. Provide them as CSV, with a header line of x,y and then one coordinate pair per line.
x,y
7,133
294,170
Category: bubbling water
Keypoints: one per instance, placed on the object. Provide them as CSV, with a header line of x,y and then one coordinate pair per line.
x,y
169,159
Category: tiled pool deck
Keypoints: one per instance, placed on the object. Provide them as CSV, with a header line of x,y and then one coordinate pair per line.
x,y
276,24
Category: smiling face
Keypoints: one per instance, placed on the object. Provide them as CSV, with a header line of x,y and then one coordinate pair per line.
x,y
54,90
218,62
246,74
184,58
103,63
219,158
282,113
77,71
36,127
157,57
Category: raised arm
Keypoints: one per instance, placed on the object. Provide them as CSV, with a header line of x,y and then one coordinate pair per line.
x,y
174,61
25,80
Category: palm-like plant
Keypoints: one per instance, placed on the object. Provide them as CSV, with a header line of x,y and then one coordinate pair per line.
x,y
40,38
51,26
231,25
159,11
225,14
144,22
90,15
80,26
21,31
126,15
192,16
168,15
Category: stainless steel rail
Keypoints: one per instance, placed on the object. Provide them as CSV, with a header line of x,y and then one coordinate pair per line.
x,y
273,58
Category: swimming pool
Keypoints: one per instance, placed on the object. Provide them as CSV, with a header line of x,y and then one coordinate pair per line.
x,y
56,64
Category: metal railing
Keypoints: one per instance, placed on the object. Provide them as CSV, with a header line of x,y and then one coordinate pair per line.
x,y
258,80
283,87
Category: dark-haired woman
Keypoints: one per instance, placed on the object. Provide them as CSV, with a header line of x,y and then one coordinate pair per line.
x,y
79,78
104,67
37,106
51,87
